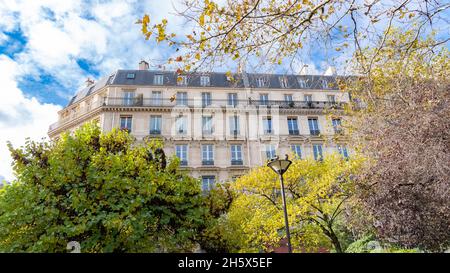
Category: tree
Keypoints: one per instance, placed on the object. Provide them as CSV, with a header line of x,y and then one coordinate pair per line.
x,y
277,31
317,192
401,121
102,191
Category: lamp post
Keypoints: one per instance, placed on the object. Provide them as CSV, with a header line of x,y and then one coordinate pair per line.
x,y
280,166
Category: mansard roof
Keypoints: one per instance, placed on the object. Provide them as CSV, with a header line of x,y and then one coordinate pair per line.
x,y
216,79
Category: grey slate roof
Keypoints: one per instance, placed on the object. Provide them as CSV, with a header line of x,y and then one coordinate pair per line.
x,y
217,79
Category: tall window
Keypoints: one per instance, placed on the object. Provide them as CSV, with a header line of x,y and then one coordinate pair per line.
x,y
181,125
128,97
234,125
260,82
313,126
324,84
302,83
308,98
207,154
292,126
342,150
297,149
236,155
156,97
336,125
283,81
204,80
232,99
181,151
331,98
270,151
207,125
182,80
208,182
317,150
126,123
264,99
206,99
158,79
182,98
288,98
267,125
155,125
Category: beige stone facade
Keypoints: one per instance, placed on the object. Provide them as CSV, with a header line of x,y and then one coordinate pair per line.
x,y
218,131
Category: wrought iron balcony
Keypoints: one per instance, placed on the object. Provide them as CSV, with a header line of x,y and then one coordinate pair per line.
x,y
236,162
314,132
155,132
294,132
208,162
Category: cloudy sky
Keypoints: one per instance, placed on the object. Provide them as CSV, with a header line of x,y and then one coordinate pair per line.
x,y
48,48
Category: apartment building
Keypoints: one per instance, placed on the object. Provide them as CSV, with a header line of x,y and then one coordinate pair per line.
x,y
218,125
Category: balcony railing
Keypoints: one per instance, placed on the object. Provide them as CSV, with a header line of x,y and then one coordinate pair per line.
x,y
294,132
193,103
151,102
207,162
314,132
155,132
236,162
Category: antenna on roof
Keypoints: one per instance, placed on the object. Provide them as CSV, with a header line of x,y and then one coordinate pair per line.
x,y
89,82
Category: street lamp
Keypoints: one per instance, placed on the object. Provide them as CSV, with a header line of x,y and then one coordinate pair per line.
x,y
280,166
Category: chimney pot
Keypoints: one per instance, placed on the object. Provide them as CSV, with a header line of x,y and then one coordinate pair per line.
x,y
143,65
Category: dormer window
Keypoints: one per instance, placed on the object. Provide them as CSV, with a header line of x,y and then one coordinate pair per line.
x,y
324,84
131,76
182,80
283,81
302,83
158,79
260,82
204,81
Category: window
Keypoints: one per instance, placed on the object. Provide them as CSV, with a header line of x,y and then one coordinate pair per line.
x,y
234,125
128,97
207,125
158,79
181,125
283,81
302,83
130,76
204,80
308,98
297,149
288,98
207,154
181,151
342,151
270,151
236,155
313,126
260,82
155,125
126,123
208,182
292,126
182,80
264,99
232,99
331,98
206,99
156,98
336,125
267,125
317,150
324,84
182,98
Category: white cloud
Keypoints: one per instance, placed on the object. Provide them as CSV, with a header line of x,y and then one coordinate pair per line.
x,y
20,117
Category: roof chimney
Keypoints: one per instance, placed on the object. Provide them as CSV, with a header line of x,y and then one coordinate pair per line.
x,y
89,82
143,65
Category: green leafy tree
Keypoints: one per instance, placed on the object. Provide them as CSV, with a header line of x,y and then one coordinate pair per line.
x,y
317,193
102,191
